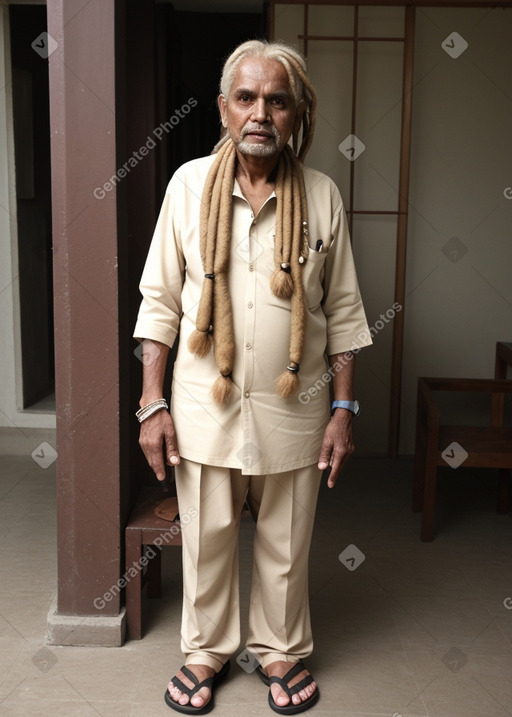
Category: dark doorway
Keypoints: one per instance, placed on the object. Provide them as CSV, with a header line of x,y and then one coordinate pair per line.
x,y
193,47
30,91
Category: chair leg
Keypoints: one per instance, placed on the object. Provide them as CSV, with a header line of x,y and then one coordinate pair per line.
x,y
420,455
133,586
419,475
429,497
503,489
154,574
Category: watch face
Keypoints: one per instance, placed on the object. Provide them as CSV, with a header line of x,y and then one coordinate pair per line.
x,y
357,408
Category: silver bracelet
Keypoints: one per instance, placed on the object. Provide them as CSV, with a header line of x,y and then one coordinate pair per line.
x,y
151,408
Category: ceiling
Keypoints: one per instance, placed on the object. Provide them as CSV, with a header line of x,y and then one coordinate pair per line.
x,y
217,5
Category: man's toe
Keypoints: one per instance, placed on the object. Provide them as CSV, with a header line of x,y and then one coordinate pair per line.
x,y
307,691
177,695
201,698
304,694
280,697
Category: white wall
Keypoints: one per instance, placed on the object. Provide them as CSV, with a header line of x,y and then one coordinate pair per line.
x,y
461,152
11,415
461,165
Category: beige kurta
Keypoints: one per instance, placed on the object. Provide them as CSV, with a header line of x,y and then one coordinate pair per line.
x,y
257,431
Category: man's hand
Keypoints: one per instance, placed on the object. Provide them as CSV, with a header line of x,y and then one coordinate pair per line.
x,y
337,446
158,441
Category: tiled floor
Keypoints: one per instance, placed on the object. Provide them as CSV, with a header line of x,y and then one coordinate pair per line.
x,y
414,629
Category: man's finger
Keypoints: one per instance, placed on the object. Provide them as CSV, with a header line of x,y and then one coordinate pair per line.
x,y
324,458
339,458
173,457
171,448
336,465
155,459
160,472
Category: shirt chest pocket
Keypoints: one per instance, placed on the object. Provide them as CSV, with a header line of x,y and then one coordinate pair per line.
x,y
313,277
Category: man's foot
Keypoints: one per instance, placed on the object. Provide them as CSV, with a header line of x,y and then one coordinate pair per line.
x,y
202,696
279,669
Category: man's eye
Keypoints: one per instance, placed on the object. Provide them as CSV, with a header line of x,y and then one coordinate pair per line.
x,y
245,98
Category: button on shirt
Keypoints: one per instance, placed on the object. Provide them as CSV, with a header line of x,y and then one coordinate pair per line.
x,y
257,431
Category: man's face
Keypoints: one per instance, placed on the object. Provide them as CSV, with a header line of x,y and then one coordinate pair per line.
x,y
260,111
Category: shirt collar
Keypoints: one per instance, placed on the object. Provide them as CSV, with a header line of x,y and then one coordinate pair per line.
x,y
237,192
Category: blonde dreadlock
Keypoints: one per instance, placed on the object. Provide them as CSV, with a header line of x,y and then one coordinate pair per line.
x,y
214,321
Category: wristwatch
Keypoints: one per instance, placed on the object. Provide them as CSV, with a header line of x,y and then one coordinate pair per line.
x,y
349,405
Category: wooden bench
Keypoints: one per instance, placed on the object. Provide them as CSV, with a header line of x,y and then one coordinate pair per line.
x,y
486,446
467,446
145,536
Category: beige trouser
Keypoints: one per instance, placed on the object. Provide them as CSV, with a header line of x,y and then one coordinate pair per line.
x,y
279,621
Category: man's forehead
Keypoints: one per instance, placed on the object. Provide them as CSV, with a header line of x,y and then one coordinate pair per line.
x,y
255,70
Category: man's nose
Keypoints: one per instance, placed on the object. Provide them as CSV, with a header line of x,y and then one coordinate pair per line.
x,y
259,111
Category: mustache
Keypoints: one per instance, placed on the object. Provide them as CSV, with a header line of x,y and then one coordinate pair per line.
x,y
254,127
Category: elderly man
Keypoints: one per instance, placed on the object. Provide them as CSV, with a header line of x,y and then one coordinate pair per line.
x,y
251,262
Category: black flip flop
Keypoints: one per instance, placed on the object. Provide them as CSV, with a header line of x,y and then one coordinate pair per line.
x,y
263,675
290,708
210,682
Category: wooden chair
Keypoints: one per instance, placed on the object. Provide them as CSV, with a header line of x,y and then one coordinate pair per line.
x,y
143,562
466,446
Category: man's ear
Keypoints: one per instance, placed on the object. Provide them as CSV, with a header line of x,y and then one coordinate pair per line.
x,y
221,101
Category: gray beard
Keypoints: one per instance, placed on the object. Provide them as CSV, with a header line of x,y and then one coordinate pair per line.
x,y
259,150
